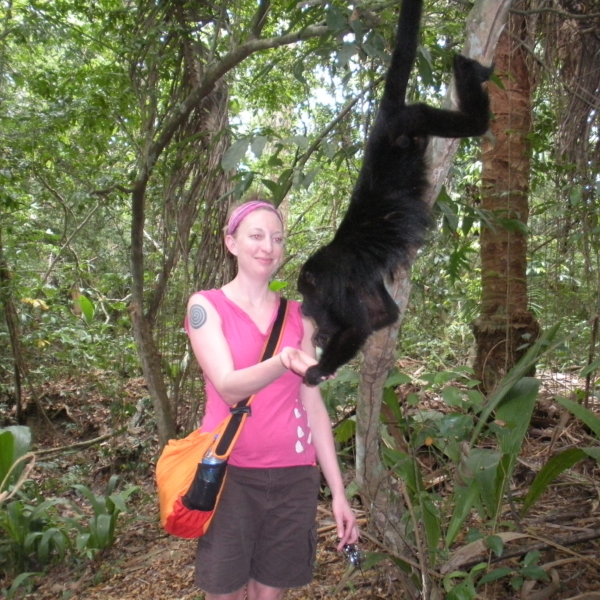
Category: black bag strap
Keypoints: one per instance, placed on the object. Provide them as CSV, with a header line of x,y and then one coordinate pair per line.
x,y
241,410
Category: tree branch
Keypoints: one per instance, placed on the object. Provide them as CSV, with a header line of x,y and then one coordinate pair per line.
x,y
61,201
66,244
324,133
112,188
556,11
211,76
78,445
259,19
543,544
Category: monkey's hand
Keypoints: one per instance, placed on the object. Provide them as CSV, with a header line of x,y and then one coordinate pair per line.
x,y
316,375
464,66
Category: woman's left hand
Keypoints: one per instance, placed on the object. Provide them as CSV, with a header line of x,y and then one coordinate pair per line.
x,y
345,519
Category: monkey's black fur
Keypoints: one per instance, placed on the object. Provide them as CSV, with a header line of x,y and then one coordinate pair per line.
x,y
342,284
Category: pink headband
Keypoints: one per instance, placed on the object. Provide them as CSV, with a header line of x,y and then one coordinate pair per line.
x,y
242,211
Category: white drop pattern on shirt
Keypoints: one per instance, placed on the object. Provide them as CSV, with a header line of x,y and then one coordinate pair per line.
x,y
298,410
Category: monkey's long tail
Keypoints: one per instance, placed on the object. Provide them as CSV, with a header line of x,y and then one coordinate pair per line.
x,y
405,53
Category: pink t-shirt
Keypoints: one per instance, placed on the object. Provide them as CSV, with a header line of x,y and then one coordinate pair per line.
x,y
277,433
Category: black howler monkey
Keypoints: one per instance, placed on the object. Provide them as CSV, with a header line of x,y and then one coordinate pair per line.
x,y
342,284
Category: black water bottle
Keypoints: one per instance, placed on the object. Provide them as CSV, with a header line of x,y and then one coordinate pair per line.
x,y
206,486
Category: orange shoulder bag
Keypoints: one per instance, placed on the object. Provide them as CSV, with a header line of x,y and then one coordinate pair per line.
x,y
181,475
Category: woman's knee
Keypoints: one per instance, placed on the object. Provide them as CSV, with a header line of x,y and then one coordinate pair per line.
x,y
259,591
237,595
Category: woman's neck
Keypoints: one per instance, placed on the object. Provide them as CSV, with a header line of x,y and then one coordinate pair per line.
x,y
249,292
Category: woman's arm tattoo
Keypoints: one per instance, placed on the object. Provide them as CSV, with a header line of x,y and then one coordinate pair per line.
x,y
197,316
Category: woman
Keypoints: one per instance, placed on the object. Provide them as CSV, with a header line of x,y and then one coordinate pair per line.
x,y
263,536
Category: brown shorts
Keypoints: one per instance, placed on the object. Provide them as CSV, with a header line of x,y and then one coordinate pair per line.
x,y
264,529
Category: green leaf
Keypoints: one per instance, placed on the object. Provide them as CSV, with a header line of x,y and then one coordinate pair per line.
x,y
464,499
465,590
258,145
476,398
576,195
452,396
445,376
494,575
404,566
345,431
345,53
482,566
104,530
531,558
483,463
448,579
277,286
21,438
31,538
582,413
310,177
51,536
527,362
449,214
15,442
18,582
591,368
425,66
272,186
516,408
111,486
335,19
234,154
87,308
7,448
432,522
81,541
404,465
495,543
298,73
549,472
593,452
413,399
347,376
119,500
98,502
473,535
373,558
534,573
299,140
396,379
391,401
495,79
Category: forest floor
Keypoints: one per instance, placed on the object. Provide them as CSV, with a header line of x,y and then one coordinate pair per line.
x,y
147,564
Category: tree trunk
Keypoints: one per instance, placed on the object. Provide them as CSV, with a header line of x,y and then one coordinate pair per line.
x,y
143,327
383,500
505,326
12,324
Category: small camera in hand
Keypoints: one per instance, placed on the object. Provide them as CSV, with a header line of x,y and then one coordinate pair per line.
x,y
354,555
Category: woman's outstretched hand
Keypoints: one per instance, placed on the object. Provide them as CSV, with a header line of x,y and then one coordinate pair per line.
x,y
295,360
